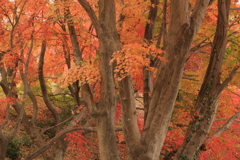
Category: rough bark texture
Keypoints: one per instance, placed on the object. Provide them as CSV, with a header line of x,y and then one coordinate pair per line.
x,y
182,30
107,103
147,74
3,147
109,43
130,126
206,104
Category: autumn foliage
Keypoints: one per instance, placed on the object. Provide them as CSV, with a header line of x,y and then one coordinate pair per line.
x,y
52,78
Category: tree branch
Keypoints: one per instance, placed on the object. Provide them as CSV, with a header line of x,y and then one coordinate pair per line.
x,y
234,8
91,14
226,125
228,79
68,129
88,99
198,14
224,119
68,119
48,103
234,93
193,79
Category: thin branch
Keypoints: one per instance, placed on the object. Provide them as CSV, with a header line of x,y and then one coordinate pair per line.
x,y
68,119
139,100
224,119
228,79
67,129
193,79
234,8
200,45
226,125
91,14
234,93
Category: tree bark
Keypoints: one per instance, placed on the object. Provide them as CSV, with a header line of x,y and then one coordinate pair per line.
x,y
46,99
74,88
109,43
226,125
206,104
182,30
129,117
3,148
147,74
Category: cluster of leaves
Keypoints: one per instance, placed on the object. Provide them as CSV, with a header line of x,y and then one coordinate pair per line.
x,y
24,21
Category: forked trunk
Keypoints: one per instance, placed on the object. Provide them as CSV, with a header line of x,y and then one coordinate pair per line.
x,y
206,105
182,30
160,109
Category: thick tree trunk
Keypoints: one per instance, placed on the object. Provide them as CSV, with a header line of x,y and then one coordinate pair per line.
x,y
107,104
3,146
182,30
160,109
109,43
129,117
206,105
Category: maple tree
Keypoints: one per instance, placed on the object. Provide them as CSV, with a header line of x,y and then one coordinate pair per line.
x,y
74,71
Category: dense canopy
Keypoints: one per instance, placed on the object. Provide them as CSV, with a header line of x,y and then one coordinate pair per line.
x,y
105,79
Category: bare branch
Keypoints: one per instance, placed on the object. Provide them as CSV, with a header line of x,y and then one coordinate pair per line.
x,y
68,129
234,8
226,125
234,93
68,119
43,86
138,108
193,79
228,79
224,119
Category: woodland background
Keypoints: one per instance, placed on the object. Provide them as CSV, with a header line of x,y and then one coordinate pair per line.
x,y
82,79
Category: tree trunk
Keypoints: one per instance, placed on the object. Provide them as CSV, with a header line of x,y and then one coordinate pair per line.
x,y
147,74
3,146
129,117
206,105
107,105
182,30
109,43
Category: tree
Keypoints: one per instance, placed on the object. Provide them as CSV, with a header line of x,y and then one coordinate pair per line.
x,y
111,51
